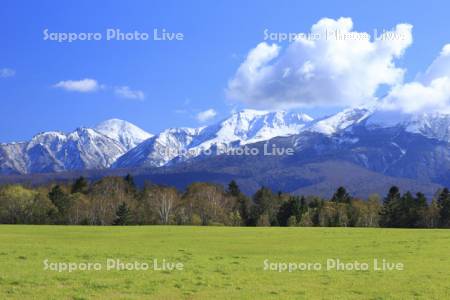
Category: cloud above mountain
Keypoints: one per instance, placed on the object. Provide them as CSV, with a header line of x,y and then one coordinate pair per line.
x,y
339,68
89,85
206,115
429,92
127,92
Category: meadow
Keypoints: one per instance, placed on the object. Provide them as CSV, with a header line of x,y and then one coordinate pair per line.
x,y
222,262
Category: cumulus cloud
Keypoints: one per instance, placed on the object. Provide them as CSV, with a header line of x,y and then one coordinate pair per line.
x,y
206,115
126,92
7,72
83,86
329,70
429,92
440,67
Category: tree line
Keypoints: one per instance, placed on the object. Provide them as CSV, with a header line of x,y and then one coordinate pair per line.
x,y
118,201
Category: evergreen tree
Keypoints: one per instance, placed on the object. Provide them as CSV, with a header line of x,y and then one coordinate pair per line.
x,y
303,205
298,207
444,208
420,213
293,208
130,180
233,189
390,202
60,199
242,202
122,215
80,186
393,195
131,186
264,204
341,196
243,207
405,214
284,213
432,218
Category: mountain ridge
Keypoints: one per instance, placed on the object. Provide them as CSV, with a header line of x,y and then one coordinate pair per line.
x,y
414,146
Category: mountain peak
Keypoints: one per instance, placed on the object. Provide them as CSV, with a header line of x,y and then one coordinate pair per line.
x,y
341,120
126,133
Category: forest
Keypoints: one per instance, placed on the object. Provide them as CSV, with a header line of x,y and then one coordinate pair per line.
x,y
119,201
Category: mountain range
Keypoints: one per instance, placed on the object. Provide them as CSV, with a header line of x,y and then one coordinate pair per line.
x,y
364,148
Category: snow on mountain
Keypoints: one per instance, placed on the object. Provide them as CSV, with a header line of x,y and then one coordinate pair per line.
x,y
250,126
244,127
12,160
84,148
119,144
93,150
433,125
127,134
341,121
159,149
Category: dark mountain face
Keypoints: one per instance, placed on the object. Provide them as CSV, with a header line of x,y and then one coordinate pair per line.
x,y
363,160
390,151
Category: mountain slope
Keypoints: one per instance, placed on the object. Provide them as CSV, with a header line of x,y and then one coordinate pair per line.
x,y
53,151
432,125
127,134
159,149
321,163
244,127
340,121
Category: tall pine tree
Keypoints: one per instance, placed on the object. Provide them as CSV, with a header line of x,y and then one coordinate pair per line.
x,y
122,215
390,204
80,185
341,196
444,208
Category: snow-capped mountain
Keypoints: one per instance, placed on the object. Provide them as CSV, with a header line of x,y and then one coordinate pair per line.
x,y
341,121
119,144
244,127
84,148
127,134
432,125
160,149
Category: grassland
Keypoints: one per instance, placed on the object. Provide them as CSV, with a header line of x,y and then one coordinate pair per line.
x,y
222,263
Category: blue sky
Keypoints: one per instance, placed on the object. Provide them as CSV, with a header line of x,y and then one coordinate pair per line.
x,y
178,78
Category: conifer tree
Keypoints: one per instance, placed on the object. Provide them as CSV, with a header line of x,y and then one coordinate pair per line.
x,y
444,206
390,202
122,215
233,189
80,186
341,196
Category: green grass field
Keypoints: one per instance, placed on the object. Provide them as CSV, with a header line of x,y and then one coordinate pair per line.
x,y
222,263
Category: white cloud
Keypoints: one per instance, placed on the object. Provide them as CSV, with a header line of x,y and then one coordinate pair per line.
x,y
7,72
83,86
90,85
126,92
440,67
321,72
418,97
430,91
206,115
